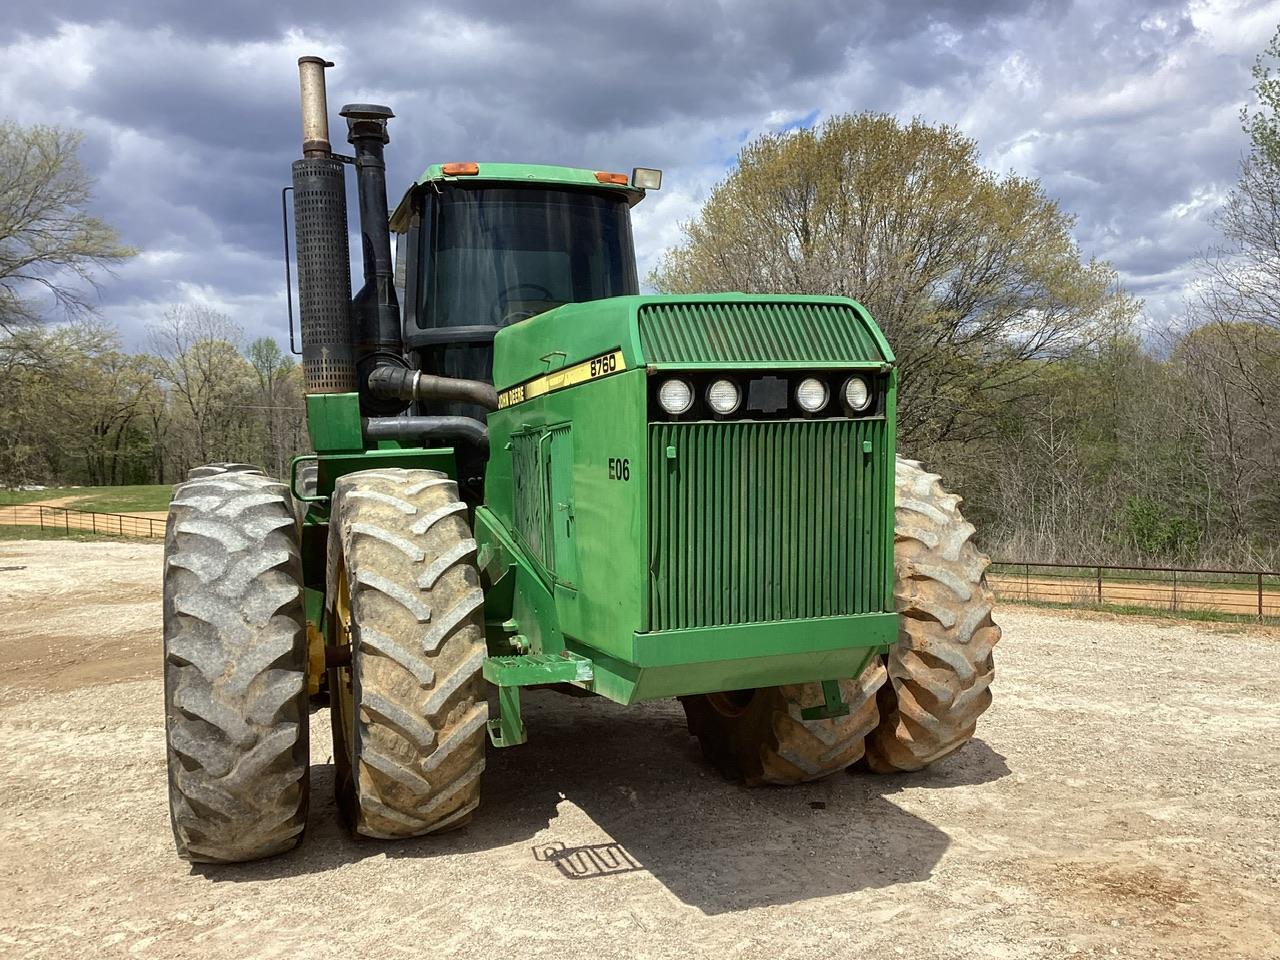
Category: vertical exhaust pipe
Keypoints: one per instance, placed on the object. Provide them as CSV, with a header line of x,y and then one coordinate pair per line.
x,y
320,225
376,307
315,107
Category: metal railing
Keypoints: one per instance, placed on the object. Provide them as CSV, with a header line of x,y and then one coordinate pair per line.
x,y
53,521
1248,593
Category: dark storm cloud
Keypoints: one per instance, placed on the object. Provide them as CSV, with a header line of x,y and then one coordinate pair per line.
x,y
1126,112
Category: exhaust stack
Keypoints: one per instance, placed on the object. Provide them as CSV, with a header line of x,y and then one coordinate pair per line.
x,y
320,224
315,107
376,308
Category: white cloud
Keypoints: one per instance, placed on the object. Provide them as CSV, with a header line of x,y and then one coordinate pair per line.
x,y
1127,112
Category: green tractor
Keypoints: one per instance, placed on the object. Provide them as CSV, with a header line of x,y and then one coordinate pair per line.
x,y
526,473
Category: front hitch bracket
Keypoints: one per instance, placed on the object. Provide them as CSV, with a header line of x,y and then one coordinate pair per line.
x,y
832,705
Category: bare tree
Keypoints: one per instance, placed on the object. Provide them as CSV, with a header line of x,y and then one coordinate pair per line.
x,y
208,379
49,243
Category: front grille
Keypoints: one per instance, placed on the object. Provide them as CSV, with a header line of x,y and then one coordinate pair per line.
x,y
751,522
755,331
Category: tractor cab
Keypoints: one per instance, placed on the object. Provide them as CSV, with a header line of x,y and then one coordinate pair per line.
x,y
480,246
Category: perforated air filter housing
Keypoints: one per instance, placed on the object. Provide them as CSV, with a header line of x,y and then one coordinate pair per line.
x,y
324,275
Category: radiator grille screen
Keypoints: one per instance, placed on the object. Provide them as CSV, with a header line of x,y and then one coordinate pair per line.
x,y
752,522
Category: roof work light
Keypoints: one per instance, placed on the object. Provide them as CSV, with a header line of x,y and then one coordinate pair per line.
x,y
646,178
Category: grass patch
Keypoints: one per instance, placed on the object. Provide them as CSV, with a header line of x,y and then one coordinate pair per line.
x,y
143,498
1138,610
139,498
49,533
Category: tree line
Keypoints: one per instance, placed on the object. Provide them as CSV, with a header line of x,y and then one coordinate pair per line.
x,y
77,408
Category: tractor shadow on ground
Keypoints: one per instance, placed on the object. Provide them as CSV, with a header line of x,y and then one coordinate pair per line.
x,y
656,806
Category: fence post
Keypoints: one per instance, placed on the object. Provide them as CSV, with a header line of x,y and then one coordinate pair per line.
x,y
93,519
66,520
151,527
1026,579
1259,596
40,511
1099,583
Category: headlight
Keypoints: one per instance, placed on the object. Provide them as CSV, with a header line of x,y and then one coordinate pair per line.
x,y
856,394
675,396
723,396
811,395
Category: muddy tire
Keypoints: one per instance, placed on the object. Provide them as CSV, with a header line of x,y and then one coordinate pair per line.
x,y
409,713
759,736
941,668
216,469
235,669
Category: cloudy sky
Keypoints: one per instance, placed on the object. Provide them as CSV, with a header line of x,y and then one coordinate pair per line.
x,y
1127,111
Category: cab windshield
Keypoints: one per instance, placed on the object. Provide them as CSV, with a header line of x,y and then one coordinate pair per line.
x,y
493,256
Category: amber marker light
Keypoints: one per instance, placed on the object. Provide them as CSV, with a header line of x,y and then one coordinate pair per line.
x,y
619,178
460,169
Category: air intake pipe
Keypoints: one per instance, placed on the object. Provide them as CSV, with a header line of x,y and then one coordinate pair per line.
x,y
320,224
397,383
376,307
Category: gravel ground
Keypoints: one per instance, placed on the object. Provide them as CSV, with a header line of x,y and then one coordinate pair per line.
x,y
1120,800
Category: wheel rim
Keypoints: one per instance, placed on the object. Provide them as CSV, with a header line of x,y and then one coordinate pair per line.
x,y
731,703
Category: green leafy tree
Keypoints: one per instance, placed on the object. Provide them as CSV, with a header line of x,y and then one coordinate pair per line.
x,y
279,404
971,275
1262,120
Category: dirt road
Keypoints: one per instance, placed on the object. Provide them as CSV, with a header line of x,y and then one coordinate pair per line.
x,y
1120,800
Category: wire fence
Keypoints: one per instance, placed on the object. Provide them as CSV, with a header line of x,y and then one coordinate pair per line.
x,y
1244,593
60,521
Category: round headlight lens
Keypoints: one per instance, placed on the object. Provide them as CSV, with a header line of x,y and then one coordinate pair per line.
x,y
675,396
856,393
811,395
723,396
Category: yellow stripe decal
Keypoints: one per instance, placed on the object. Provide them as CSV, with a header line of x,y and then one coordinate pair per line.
x,y
593,369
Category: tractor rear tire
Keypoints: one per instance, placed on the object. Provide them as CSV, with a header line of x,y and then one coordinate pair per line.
x,y
941,668
217,469
759,736
409,713
235,670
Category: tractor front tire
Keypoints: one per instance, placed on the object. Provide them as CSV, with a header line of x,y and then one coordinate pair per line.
x,y
409,713
760,736
941,668
235,669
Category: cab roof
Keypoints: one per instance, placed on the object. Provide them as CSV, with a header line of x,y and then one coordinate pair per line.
x,y
529,174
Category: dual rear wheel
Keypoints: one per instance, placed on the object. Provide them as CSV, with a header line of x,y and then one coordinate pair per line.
x,y
409,709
